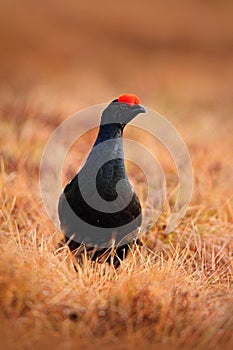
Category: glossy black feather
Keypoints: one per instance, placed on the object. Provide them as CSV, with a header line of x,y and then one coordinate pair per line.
x,y
72,205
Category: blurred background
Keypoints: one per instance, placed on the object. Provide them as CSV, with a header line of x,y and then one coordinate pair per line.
x,y
57,57
60,56
165,51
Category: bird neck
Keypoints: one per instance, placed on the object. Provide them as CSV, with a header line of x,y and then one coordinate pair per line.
x,y
108,156
108,132
109,142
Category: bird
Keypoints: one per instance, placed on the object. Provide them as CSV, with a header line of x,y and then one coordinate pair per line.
x,y
96,214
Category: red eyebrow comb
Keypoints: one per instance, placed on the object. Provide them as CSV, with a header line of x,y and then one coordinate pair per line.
x,y
129,98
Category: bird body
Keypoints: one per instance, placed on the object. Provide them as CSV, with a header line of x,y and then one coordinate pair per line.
x,y
84,213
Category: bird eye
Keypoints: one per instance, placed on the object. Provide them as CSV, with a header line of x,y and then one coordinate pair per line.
x,y
123,106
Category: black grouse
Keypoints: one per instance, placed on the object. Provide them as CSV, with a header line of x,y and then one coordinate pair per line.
x,y
99,210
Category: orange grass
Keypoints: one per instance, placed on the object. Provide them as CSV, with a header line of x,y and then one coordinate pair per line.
x,y
174,293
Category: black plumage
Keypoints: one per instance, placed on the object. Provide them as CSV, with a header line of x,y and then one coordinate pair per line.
x,y
85,225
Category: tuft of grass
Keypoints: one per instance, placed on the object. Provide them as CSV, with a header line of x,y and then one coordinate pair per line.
x,y
175,293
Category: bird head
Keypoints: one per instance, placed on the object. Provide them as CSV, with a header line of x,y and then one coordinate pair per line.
x,y
122,110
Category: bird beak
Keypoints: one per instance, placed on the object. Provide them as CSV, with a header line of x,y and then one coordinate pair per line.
x,y
139,109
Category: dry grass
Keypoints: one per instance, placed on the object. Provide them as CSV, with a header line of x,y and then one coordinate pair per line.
x,y
177,292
